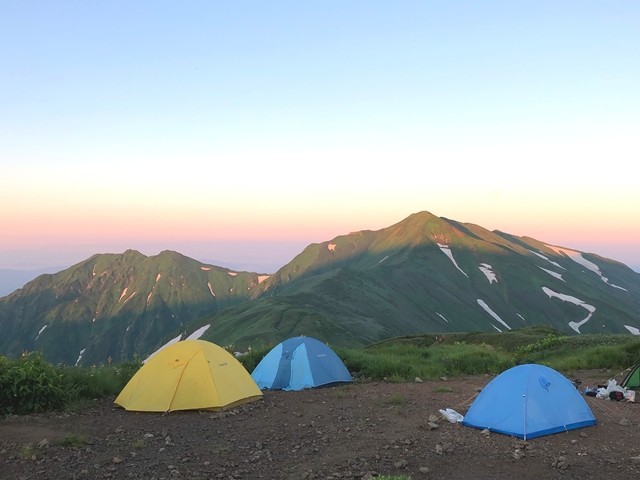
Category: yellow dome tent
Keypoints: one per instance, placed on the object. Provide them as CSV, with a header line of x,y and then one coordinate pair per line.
x,y
189,375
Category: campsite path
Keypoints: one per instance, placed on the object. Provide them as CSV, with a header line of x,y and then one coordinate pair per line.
x,y
356,431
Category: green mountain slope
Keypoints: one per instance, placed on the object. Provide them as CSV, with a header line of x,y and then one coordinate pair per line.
x,y
114,306
431,274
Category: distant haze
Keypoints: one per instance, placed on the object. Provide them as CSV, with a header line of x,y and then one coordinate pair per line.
x,y
255,256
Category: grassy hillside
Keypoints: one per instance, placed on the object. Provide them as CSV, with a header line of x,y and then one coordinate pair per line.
x,y
31,384
433,356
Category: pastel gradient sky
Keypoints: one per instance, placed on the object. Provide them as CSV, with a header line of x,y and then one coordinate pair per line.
x,y
240,132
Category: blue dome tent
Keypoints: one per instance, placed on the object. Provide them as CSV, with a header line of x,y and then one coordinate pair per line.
x,y
529,401
299,363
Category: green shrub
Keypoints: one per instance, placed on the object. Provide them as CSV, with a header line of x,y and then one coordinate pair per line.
x,y
29,384
96,382
582,352
632,349
464,359
251,359
405,361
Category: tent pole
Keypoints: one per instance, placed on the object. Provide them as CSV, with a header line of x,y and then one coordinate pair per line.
x,y
524,417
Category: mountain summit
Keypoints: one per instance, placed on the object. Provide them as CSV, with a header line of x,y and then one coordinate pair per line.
x,y
433,274
113,306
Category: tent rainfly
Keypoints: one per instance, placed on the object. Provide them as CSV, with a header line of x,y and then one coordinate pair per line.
x,y
529,401
632,380
189,375
299,363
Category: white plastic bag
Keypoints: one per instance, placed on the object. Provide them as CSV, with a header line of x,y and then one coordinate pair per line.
x,y
451,415
612,386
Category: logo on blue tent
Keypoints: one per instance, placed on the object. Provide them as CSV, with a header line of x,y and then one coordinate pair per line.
x,y
299,363
529,401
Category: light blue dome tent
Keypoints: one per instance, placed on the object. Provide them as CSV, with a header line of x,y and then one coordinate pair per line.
x,y
529,401
299,363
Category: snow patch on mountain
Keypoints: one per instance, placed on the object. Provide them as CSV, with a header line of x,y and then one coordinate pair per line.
x,y
486,308
578,258
124,292
633,330
129,297
442,317
170,342
198,333
576,301
80,356
488,272
447,251
158,276
555,264
39,332
553,274
194,336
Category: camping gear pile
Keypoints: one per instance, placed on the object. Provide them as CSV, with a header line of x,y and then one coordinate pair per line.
x,y
613,391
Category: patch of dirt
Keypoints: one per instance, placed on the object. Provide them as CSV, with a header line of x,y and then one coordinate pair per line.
x,y
356,431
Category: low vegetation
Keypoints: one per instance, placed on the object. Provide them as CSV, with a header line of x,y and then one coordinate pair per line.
x,y
30,384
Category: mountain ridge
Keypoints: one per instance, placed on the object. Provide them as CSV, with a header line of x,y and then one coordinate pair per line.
x,y
424,238
423,274
127,296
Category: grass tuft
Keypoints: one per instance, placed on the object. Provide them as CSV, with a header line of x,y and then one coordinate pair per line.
x,y
73,440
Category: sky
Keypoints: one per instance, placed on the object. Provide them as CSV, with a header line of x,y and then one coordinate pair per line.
x,y
240,132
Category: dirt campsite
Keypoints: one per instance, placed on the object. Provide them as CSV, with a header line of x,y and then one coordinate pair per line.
x,y
361,430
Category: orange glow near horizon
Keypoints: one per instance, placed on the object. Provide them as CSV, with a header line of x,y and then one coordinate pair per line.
x,y
198,225
67,209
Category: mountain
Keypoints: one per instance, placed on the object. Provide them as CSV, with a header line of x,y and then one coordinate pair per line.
x,y
423,274
12,278
115,305
432,274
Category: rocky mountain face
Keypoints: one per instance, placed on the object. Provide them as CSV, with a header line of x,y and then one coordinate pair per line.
x,y
425,274
111,307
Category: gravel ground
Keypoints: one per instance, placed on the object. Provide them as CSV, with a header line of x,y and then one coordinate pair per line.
x,y
356,431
